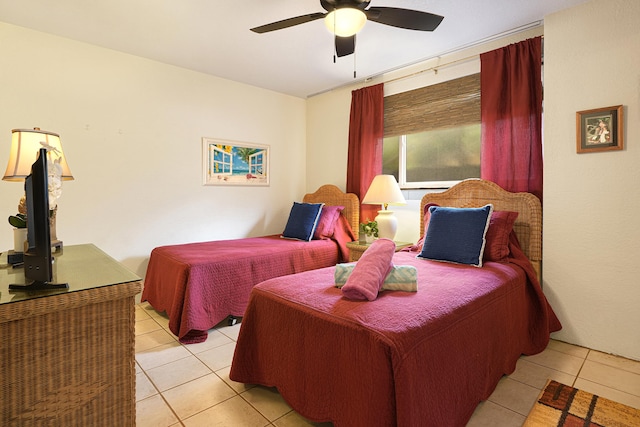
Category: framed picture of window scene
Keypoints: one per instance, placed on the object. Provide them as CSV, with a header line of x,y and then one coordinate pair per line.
x,y
600,129
234,163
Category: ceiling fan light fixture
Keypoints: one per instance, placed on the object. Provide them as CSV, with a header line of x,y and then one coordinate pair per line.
x,y
345,22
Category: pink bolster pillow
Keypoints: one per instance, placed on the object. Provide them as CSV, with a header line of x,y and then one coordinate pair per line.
x,y
370,271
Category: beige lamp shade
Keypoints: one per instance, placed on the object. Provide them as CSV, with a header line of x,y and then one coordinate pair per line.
x,y
345,22
384,190
25,145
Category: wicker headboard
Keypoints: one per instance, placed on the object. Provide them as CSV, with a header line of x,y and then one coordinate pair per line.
x,y
477,192
333,196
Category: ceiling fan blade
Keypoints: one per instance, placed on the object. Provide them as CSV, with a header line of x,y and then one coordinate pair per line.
x,y
404,18
286,23
345,45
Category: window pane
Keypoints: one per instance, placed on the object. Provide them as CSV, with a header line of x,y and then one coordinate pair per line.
x,y
451,154
391,156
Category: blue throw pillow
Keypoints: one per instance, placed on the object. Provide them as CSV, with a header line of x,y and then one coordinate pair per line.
x,y
303,220
457,234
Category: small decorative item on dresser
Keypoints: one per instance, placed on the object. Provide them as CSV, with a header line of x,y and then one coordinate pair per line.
x,y
19,223
25,146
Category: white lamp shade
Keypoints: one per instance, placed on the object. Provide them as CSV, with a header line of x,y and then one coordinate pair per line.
x,y
384,190
345,22
25,145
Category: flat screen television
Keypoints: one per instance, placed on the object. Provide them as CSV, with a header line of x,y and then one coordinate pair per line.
x,y
38,260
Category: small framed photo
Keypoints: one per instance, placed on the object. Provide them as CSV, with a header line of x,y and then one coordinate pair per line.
x,y
600,129
234,163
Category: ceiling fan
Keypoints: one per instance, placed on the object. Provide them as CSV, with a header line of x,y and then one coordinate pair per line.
x,y
345,18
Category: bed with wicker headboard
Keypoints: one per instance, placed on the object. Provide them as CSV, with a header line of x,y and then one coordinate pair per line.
x,y
423,358
478,192
200,284
331,195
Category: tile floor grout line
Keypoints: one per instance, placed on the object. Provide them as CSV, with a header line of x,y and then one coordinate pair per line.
x,y
256,409
511,409
554,369
581,367
213,406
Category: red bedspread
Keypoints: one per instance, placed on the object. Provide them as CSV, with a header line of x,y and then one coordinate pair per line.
x,y
199,284
408,359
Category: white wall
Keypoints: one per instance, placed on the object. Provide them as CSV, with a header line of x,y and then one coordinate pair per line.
x,y
591,234
131,129
328,138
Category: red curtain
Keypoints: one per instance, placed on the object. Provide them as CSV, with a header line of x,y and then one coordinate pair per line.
x,y
366,130
511,111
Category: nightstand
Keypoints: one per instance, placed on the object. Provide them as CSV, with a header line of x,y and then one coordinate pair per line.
x,y
356,249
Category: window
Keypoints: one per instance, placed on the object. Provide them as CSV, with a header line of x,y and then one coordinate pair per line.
x,y
432,134
433,159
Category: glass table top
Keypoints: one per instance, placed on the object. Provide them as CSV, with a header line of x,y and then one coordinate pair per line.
x,y
81,266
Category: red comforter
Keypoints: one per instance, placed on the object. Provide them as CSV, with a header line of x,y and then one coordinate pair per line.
x,y
409,359
199,284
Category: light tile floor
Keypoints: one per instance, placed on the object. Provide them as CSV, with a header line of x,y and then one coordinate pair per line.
x,y
189,385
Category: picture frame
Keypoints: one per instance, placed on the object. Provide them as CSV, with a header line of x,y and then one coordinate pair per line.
x,y
227,162
600,129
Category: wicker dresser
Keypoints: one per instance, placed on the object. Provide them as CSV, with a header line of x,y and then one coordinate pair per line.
x,y
67,357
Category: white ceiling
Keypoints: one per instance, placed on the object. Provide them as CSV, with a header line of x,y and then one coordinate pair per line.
x,y
213,37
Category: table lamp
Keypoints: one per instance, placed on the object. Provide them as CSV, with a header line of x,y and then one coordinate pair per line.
x,y
384,190
25,144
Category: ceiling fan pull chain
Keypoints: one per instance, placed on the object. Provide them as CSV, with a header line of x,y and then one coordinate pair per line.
x,y
334,37
354,58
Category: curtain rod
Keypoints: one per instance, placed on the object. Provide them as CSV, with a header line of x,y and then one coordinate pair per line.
x,y
450,52
435,67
